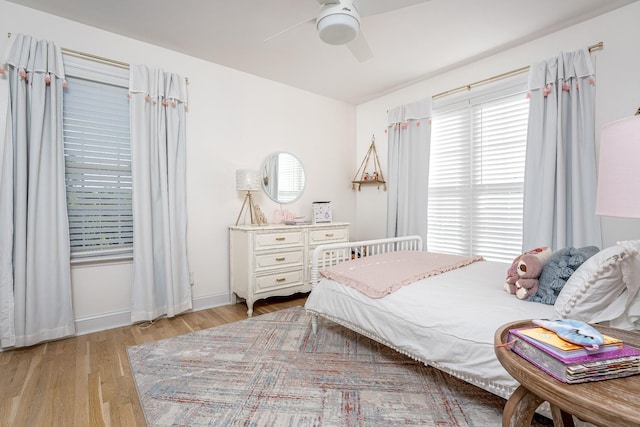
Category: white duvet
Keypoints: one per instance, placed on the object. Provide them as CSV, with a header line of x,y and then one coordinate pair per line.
x,y
447,321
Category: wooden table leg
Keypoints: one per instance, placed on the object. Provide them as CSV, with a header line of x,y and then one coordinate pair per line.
x,y
561,418
519,409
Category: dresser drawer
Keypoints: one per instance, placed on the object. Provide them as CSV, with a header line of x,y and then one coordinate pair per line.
x,y
280,280
278,240
331,235
279,260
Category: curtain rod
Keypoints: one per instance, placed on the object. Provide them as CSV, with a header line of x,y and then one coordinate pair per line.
x,y
102,59
517,71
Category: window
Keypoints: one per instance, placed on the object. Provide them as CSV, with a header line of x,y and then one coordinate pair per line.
x,y
476,174
97,152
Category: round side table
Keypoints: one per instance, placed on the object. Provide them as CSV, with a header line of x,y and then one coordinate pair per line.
x,y
614,402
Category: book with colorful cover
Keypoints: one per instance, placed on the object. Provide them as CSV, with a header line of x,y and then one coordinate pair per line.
x,y
563,349
620,362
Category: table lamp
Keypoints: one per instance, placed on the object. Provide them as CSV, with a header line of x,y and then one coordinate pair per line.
x,y
248,180
619,169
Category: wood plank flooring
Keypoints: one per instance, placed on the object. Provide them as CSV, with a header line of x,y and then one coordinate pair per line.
x,y
86,380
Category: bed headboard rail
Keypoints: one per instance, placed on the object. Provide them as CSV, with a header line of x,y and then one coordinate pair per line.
x,y
334,253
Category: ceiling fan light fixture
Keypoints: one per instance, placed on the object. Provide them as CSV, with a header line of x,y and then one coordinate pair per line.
x,y
338,27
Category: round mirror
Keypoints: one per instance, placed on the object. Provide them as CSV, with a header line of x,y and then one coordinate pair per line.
x,y
283,177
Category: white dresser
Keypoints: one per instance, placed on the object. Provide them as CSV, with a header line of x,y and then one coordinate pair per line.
x,y
275,260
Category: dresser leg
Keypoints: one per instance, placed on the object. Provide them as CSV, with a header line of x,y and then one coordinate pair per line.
x,y
249,306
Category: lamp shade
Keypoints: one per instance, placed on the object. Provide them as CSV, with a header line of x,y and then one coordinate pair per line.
x,y
247,180
619,169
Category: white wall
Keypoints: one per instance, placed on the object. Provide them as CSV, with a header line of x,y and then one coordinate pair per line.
x,y
617,92
235,120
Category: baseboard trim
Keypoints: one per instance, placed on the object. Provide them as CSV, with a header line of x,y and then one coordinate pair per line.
x,y
101,322
210,301
117,319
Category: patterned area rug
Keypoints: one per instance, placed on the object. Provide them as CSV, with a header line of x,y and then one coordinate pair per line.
x,y
271,370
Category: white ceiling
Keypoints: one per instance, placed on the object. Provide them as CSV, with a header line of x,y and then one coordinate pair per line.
x,y
422,39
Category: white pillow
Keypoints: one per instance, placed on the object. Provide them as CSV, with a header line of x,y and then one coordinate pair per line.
x,y
604,288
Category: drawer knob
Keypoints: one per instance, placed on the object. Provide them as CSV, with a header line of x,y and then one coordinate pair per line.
x,y
280,239
280,259
328,235
280,279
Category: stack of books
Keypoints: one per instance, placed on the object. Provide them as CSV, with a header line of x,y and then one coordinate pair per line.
x,y
571,363
299,220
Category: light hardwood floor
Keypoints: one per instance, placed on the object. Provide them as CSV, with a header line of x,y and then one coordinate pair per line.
x,y
86,380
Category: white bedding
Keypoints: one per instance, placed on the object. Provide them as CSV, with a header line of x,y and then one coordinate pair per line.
x,y
446,321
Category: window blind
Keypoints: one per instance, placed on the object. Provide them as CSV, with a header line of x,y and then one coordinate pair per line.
x,y
476,175
97,159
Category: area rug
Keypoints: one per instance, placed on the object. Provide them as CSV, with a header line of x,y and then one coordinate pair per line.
x,y
271,370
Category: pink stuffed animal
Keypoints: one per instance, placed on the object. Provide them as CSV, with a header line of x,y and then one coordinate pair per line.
x,y
529,270
512,274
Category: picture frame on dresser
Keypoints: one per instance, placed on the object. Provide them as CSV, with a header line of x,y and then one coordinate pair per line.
x,y
321,212
275,260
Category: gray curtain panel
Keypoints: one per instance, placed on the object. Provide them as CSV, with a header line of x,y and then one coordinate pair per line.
x,y
560,170
158,171
35,272
409,139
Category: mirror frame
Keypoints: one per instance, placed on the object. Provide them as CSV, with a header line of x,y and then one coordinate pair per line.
x,y
263,174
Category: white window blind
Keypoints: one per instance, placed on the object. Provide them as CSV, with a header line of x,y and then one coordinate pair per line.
x,y
476,174
97,159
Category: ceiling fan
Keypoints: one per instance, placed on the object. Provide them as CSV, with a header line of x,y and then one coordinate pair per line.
x,y
338,22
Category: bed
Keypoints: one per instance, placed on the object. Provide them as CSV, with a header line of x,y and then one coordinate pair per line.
x,y
448,320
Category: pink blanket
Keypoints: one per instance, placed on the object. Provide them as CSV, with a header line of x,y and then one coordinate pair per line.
x,y
380,275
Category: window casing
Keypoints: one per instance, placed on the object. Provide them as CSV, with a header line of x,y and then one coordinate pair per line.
x,y
476,174
97,160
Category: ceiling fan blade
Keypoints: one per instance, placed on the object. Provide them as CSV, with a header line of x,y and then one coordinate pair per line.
x,y
376,7
279,33
360,48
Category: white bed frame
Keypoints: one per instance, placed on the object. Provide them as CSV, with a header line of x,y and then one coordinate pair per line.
x,y
331,254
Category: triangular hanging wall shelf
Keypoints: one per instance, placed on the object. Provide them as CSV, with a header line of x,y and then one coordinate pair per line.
x,y
364,176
